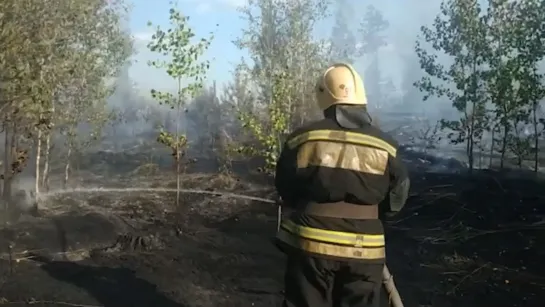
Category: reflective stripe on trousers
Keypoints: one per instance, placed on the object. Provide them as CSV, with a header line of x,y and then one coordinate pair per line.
x,y
332,243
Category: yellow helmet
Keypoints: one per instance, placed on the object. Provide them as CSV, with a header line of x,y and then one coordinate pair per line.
x,y
340,84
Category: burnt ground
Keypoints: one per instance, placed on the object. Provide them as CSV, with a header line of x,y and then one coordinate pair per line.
x,y
461,241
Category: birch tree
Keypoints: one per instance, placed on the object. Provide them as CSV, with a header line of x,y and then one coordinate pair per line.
x,y
41,40
188,71
458,32
529,40
26,92
286,60
501,83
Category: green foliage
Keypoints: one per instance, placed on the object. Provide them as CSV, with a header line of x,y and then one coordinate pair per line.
x,y
33,74
459,32
84,97
269,135
529,43
56,64
286,61
183,65
493,79
172,141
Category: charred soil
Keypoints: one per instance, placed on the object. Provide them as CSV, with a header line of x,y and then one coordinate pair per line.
x,y
461,241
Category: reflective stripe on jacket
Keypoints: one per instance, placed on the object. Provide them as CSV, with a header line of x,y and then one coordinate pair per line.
x,y
332,243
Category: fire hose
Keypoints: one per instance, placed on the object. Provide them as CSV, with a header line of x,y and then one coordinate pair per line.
x,y
387,278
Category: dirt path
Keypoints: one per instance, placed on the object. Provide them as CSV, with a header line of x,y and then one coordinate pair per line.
x,y
461,242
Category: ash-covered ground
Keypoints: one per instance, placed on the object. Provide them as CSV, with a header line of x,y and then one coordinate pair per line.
x,y
461,241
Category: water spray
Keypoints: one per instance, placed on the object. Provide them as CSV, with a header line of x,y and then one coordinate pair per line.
x,y
43,196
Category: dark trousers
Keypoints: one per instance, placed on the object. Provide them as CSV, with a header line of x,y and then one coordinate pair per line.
x,y
316,282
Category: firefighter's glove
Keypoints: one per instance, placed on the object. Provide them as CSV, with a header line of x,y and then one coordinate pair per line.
x,y
398,195
390,214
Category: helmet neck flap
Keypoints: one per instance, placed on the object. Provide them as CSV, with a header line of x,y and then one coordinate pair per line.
x,y
349,116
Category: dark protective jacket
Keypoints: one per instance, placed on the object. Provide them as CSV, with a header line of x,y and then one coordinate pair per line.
x,y
328,164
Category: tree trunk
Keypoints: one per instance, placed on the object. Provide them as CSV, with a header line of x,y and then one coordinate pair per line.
x,y
504,144
7,162
471,134
480,154
177,144
38,156
67,166
491,148
470,152
45,173
11,153
1,179
178,178
469,149
536,137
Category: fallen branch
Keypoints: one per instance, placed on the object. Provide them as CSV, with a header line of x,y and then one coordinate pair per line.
x,y
495,231
436,266
426,190
401,220
31,254
522,275
440,186
36,302
453,290
430,202
468,233
498,183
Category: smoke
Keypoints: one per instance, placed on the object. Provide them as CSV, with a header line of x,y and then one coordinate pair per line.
x,y
389,73
398,67
24,192
389,76
390,66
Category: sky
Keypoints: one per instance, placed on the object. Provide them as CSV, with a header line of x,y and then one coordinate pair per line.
x,y
222,18
204,16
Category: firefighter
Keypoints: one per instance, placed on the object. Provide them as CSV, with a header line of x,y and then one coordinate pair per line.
x,y
333,174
